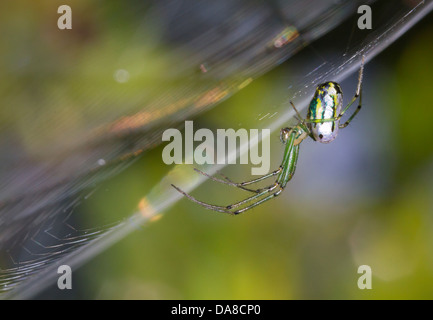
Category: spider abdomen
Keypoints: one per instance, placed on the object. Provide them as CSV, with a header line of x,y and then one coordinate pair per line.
x,y
325,105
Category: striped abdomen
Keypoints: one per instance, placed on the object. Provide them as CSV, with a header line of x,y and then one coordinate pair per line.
x,y
326,104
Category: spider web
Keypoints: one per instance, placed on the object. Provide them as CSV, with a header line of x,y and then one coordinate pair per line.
x,y
39,229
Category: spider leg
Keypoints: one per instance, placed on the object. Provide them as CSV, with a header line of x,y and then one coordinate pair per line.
x,y
229,207
249,199
271,196
241,185
203,204
236,184
285,173
357,94
230,183
273,173
344,125
298,115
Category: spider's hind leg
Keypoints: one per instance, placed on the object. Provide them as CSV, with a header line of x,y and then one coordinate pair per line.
x,y
241,185
271,196
227,209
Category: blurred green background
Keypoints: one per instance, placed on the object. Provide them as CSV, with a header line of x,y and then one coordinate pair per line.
x,y
365,199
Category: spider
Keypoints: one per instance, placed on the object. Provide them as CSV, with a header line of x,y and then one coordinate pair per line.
x,y
321,124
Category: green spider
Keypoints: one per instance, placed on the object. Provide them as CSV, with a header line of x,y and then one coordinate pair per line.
x,y
322,124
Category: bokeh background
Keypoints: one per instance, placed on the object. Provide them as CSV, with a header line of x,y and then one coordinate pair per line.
x,y
364,199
